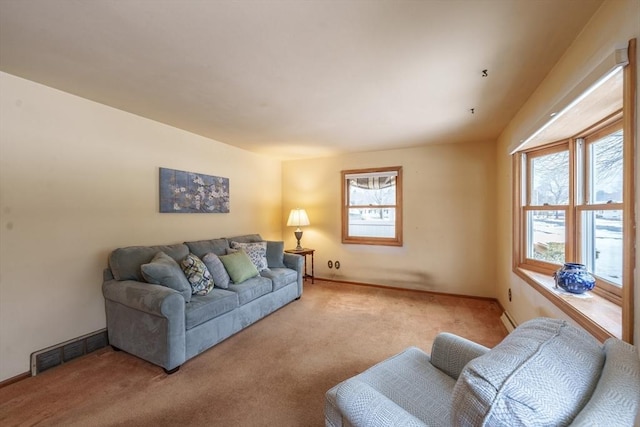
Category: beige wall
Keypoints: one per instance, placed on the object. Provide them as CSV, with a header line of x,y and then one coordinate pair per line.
x,y
615,23
78,179
449,228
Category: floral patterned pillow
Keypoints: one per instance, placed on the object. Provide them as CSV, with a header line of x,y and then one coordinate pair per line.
x,y
257,253
197,274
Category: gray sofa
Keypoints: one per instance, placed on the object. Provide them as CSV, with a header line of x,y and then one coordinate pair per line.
x,y
155,322
545,373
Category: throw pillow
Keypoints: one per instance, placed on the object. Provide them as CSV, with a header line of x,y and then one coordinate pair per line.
x,y
164,270
257,253
216,268
239,266
197,274
275,254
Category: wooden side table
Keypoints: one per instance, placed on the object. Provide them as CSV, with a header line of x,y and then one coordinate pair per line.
x,y
304,252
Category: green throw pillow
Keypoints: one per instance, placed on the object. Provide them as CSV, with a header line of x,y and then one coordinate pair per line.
x,y
239,266
164,270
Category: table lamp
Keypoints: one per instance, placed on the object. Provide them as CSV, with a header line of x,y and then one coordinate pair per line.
x,y
298,218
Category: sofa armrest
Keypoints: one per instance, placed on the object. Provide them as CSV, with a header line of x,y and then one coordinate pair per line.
x,y
295,262
148,298
362,405
450,353
147,321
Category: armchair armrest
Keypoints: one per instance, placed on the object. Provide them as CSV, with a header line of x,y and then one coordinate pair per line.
x,y
362,405
450,353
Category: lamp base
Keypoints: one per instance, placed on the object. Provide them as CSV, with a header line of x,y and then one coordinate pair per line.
x,y
298,234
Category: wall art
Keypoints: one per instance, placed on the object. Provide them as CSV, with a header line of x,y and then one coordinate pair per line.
x,y
189,192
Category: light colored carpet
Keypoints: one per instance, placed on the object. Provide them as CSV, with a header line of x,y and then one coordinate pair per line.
x,y
274,373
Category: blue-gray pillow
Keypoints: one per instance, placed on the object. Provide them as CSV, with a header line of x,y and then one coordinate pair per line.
x,y
164,270
219,274
197,274
275,254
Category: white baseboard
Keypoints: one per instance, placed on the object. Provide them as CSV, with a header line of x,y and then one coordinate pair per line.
x,y
508,322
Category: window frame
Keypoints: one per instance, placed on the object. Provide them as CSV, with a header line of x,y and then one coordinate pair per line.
x,y
381,241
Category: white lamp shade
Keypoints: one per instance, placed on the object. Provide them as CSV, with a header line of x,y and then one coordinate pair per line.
x,y
297,218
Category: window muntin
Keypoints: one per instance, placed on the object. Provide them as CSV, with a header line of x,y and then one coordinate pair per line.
x,y
372,208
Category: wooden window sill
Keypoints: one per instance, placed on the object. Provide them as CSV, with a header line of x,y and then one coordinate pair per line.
x,y
599,316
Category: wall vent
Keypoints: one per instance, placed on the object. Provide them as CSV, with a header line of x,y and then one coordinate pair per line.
x,y
508,322
60,353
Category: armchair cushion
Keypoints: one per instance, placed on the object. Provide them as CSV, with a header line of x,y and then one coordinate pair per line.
x,y
164,270
542,375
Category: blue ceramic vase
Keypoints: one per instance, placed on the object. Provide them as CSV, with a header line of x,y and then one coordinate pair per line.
x,y
574,278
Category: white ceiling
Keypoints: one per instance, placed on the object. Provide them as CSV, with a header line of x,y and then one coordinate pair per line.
x,y
298,78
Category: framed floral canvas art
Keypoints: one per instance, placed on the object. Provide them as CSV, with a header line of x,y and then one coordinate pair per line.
x,y
189,192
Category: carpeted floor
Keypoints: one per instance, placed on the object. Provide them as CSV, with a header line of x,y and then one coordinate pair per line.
x,y
274,373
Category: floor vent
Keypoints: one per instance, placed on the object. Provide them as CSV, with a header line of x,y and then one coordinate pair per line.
x,y
68,350
508,322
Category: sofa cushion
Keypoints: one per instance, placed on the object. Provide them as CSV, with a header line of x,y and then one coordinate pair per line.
x,y
202,247
164,270
275,254
543,373
280,277
125,262
197,274
239,266
206,307
257,253
251,289
219,274
246,238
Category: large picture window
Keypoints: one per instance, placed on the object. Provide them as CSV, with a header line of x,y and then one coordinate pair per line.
x,y
372,206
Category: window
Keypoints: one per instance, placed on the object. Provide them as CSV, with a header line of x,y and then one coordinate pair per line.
x,y
573,206
372,206
574,199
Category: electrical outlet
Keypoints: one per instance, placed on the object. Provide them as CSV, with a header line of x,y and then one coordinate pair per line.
x,y
509,294
330,264
337,264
